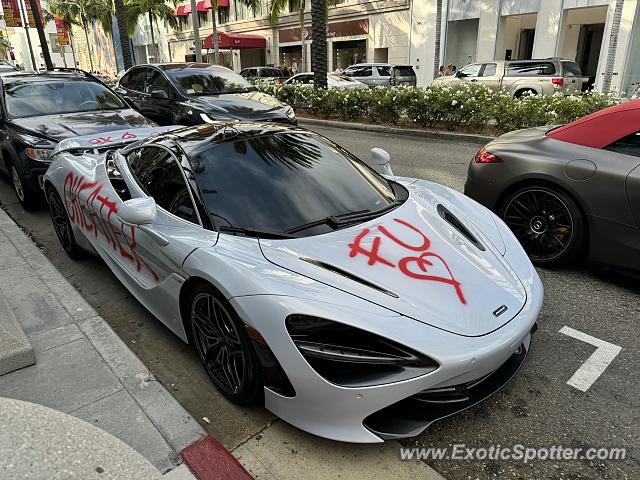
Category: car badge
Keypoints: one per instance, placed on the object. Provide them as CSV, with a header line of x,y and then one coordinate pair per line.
x,y
500,310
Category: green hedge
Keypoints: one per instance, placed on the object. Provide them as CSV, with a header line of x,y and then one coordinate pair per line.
x,y
460,107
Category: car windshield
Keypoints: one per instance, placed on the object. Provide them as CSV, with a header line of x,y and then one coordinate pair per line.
x,y
204,82
279,182
31,99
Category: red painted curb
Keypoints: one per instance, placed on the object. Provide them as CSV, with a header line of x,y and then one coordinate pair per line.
x,y
209,460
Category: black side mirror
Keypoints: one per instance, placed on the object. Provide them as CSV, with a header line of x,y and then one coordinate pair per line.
x,y
459,74
160,94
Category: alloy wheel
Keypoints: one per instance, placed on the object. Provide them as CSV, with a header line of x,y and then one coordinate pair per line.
x,y
17,183
218,343
542,223
61,222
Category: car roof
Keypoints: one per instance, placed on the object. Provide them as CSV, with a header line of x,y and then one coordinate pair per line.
x,y
15,77
200,137
601,128
183,66
380,65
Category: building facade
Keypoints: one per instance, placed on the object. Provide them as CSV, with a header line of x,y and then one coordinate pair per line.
x,y
600,35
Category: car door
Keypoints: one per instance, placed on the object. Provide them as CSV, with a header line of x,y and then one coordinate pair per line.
x,y
628,149
361,73
383,75
469,73
131,85
154,105
489,76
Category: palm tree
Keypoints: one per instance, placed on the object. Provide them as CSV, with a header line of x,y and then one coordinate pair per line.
x,y
33,4
84,13
276,7
438,39
155,10
67,25
123,32
319,43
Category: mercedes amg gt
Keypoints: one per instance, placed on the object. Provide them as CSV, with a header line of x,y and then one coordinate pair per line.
x,y
357,306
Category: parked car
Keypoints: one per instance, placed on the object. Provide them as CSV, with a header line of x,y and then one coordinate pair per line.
x,y
6,67
39,110
568,190
523,77
355,306
264,74
382,74
333,81
194,93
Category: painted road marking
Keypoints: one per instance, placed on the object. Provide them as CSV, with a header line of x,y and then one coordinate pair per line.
x,y
596,364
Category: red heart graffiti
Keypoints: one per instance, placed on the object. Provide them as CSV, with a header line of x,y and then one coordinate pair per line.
x,y
128,135
423,263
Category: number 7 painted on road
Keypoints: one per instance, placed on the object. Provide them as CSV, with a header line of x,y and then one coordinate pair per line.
x,y
596,364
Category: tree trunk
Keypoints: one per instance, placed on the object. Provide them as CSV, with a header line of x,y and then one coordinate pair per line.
x,y
303,58
86,36
214,24
154,47
319,43
41,35
438,39
122,32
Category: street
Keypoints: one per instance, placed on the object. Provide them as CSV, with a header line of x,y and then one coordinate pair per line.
x,y
539,408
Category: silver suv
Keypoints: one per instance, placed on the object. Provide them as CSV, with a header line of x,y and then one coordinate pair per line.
x,y
382,74
520,77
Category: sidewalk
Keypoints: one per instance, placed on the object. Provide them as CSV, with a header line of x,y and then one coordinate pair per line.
x,y
82,368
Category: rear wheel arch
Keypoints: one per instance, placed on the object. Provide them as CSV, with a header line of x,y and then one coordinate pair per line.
x,y
522,90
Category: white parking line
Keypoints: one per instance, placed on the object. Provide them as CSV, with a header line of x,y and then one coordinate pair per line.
x,y
596,364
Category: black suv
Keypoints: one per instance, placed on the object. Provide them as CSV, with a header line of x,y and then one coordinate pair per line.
x,y
195,93
37,110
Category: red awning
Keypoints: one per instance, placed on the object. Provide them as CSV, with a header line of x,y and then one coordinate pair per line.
x,y
236,40
223,3
183,10
202,7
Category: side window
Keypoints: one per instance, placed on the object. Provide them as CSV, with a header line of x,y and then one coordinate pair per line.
x,y
134,80
384,71
472,70
530,69
629,145
161,177
489,70
359,72
156,81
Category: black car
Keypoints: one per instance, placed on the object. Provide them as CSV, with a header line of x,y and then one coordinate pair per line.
x,y
39,110
195,93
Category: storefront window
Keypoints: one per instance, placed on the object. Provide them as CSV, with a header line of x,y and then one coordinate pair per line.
x,y
203,19
223,15
290,56
349,53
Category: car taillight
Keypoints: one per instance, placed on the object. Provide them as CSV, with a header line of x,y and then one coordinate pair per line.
x,y
558,81
484,156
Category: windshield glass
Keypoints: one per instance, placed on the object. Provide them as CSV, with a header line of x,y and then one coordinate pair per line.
x,y
204,82
66,96
280,181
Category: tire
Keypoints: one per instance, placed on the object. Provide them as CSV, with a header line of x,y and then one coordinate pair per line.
x,y
223,346
29,198
62,225
526,91
547,222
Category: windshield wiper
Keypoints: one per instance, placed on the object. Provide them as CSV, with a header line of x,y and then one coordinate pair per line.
x,y
345,219
254,232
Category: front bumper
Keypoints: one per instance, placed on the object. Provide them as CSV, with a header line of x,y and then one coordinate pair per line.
x,y
348,413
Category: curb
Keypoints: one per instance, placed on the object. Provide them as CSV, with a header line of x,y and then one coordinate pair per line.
x,y
408,132
208,459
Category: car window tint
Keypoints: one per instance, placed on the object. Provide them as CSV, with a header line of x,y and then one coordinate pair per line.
x,y
384,71
358,72
530,69
489,70
471,70
571,69
283,180
629,145
161,177
156,81
270,72
135,80
404,72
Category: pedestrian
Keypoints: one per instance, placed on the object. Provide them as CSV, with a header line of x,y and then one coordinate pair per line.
x,y
338,70
285,71
441,71
449,70
294,67
454,70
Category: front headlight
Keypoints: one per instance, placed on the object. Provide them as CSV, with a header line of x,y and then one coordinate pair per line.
x,y
40,154
288,111
351,357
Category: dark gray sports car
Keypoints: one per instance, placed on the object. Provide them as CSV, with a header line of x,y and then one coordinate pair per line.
x,y
568,190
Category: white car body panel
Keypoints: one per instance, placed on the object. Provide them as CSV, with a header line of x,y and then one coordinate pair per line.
x,y
429,287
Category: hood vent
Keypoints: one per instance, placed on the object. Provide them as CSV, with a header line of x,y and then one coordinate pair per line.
x,y
348,275
452,220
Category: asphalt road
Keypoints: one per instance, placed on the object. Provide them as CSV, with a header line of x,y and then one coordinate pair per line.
x,y
537,409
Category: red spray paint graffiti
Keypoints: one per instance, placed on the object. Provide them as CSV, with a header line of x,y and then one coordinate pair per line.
x,y
411,266
94,216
